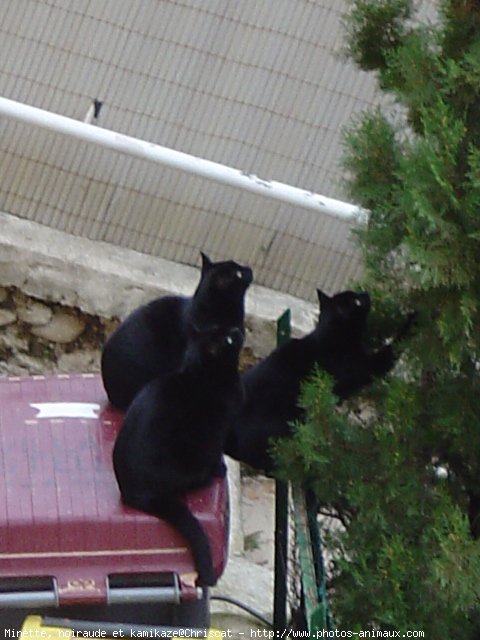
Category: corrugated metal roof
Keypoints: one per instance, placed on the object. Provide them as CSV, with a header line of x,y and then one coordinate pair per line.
x,y
254,85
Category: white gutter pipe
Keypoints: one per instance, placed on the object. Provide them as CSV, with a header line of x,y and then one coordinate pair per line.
x,y
178,160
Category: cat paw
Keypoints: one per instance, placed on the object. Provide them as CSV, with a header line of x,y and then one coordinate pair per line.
x,y
407,327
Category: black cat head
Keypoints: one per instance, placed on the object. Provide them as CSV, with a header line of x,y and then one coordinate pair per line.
x,y
214,347
219,299
224,278
346,311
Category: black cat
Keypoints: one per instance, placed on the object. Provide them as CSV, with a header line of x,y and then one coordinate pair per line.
x,y
152,340
173,434
272,386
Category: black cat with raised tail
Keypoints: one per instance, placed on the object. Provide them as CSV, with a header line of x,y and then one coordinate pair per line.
x,y
151,341
173,435
272,386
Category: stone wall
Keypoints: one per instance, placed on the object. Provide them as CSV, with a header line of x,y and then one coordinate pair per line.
x,y
38,337
66,294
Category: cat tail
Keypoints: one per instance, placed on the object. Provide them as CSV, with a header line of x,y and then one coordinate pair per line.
x,y
177,514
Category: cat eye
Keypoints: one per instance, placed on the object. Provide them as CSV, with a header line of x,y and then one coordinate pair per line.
x,y
358,302
229,340
239,274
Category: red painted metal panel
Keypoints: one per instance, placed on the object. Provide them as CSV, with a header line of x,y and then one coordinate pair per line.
x,y
60,508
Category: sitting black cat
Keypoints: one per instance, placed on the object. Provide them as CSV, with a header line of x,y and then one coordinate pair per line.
x,y
152,340
272,386
172,436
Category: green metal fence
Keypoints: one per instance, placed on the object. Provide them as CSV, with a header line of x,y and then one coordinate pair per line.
x,y
307,541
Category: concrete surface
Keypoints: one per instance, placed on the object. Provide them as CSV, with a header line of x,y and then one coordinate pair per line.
x,y
249,574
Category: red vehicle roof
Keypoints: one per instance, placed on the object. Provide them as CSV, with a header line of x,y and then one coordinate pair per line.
x,y
60,508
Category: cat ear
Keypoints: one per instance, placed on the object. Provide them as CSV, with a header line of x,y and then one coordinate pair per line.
x,y
206,262
323,299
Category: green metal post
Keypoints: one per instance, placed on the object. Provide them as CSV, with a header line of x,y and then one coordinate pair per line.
x,y
281,517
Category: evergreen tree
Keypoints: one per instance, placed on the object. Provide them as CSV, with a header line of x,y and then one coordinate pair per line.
x,y
398,467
